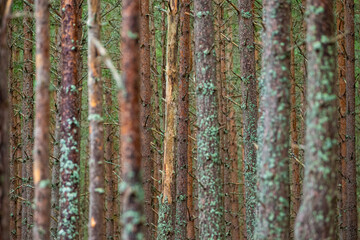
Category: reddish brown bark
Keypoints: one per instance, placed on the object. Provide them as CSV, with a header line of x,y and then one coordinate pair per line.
x,y
27,122
4,122
190,228
342,115
183,123
70,123
146,121
351,198
130,124
96,127
41,172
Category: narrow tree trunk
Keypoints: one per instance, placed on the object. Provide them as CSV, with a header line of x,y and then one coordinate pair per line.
x,y
70,125
146,121
274,179
183,124
250,109
167,207
190,229
27,123
351,198
130,124
4,122
208,161
342,115
41,173
317,215
96,127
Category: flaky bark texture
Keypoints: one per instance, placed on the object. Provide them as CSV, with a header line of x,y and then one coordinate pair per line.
x,y
41,173
183,124
146,121
250,109
351,199
96,127
317,215
27,122
4,122
166,222
274,187
133,194
341,74
70,124
208,161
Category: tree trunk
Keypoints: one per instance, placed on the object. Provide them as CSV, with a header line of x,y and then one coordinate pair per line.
x,y
167,206
4,122
249,108
351,198
41,173
27,122
183,124
209,163
317,214
190,228
342,115
96,128
146,121
70,124
274,187
130,124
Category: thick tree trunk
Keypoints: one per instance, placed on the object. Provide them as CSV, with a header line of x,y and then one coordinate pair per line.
x,y
167,206
317,215
96,128
70,124
4,122
145,113
130,124
274,187
183,124
27,122
208,161
41,172
249,108
351,198
342,115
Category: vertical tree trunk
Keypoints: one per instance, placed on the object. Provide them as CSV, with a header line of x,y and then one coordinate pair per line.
x,y
70,124
183,123
167,207
146,121
210,213
317,214
342,115
96,127
27,122
41,173
351,198
109,166
190,229
274,187
249,108
4,122
130,124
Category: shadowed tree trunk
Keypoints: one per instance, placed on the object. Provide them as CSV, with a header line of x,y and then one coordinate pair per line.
x,y
274,187
190,229
351,198
5,6
317,215
70,124
145,113
183,123
27,122
167,206
96,127
132,190
41,173
208,161
249,108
